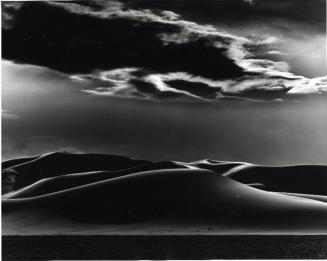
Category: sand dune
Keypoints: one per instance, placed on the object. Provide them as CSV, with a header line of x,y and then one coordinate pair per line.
x,y
55,164
315,197
303,179
14,162
105,189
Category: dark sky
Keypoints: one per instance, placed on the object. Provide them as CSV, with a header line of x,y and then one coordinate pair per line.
x,y
181,80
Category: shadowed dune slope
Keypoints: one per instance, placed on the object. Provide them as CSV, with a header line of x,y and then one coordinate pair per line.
x,y
300,179
14,162
306,179
109,189
56,164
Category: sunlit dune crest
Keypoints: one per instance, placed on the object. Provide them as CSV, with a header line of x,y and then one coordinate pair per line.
x,y
92,192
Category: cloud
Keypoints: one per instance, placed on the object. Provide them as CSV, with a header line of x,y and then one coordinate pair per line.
x,y
282,14
9,12
183,86
294,23
126,82
143,53
310,86
123,38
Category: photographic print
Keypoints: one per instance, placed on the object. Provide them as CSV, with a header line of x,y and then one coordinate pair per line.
x,y
164,129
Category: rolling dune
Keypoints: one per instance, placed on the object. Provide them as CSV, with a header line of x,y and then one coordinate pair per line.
x,y
93,191
306,179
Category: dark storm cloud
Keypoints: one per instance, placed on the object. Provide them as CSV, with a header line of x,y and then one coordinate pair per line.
x,y
144,87
124,50
281,13
9,11
84,41
298,26
262,93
